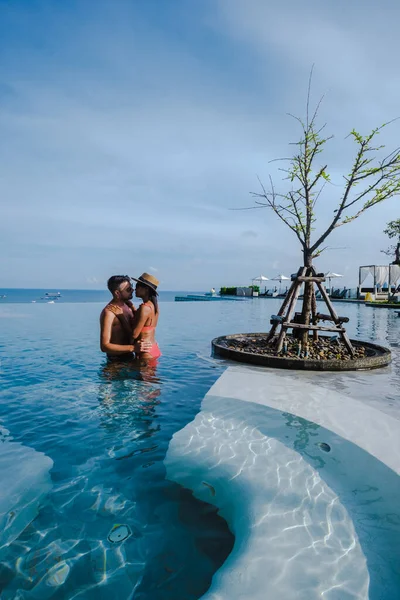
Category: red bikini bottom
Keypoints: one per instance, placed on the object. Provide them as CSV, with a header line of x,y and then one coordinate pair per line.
x,y
154,351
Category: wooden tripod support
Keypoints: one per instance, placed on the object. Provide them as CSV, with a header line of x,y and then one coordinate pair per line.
x,y
284,318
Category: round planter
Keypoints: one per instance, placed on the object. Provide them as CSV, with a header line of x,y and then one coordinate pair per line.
x,y
376,356
383,304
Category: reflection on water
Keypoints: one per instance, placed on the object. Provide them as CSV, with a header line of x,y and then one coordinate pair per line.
x,y
128,398
111,526
304,430
303,443
367,488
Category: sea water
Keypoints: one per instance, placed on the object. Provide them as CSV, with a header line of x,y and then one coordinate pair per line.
x,y
112,526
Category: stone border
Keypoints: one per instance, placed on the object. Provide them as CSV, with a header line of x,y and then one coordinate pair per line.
x,y
377,356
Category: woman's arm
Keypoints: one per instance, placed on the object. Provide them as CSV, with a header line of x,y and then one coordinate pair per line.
x,y
141,316
105,336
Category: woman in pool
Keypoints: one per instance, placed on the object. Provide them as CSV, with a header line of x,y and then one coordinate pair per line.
x,y
146,316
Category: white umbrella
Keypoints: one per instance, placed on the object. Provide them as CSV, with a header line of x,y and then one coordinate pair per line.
x,y
260,279
280,278
330,275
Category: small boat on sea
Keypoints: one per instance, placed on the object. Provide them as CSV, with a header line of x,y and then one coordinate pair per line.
x,y
51,296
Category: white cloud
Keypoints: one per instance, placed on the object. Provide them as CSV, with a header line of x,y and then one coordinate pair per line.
x,y
127,145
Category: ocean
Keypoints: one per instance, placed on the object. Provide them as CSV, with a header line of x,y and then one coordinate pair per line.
x,y
18,296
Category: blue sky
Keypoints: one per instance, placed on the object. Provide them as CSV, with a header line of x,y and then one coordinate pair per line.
x,y
129,129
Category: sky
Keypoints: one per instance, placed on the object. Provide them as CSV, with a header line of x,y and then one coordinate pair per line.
x,y
131,129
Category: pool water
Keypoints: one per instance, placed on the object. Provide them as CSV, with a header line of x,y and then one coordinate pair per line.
x,y
107,432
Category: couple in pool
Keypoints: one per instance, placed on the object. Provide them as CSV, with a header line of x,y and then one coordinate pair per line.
x,y
127,332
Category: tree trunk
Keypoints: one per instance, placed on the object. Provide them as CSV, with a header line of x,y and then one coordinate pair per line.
x,y
314,314
307,299
397,255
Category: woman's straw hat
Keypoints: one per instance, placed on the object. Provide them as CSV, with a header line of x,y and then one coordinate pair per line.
x,y
148,280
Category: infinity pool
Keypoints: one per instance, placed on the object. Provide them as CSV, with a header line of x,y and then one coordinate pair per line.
x,y
107,433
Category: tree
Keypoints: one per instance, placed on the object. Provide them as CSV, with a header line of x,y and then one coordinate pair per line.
x,y
370,181
393,231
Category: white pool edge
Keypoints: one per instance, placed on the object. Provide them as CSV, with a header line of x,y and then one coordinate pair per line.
x,y
372,430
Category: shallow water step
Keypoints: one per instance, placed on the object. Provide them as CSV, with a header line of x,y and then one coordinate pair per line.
x,y
25,481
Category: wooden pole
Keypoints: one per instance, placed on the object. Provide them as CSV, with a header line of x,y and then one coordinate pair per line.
x,y
314,314
292,306
336,320
308,276
283,307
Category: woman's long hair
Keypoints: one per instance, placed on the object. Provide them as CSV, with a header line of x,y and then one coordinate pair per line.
x,y
153,298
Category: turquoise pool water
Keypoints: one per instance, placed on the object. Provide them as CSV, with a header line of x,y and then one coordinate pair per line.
x,y
107,433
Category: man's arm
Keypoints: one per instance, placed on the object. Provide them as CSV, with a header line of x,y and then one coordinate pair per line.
x,y
105,336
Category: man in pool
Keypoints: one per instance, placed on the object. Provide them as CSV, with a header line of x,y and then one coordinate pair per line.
x,y
115,328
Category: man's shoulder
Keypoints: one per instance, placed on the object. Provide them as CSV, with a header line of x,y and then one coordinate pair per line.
x,y
108,308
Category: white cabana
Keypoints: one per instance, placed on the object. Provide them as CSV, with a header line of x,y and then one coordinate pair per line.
x,y
394,274
381,274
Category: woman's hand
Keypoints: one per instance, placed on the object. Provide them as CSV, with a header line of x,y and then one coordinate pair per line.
x,y
117,310
143,346
131,306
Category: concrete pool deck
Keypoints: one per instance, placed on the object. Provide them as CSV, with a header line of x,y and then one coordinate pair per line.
x,y
294,469
369,428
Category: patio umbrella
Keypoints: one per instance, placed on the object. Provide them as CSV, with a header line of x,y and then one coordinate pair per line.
x,y
260,278
280,278
330,275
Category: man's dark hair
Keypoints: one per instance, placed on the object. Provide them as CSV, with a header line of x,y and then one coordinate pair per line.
x,y
115,281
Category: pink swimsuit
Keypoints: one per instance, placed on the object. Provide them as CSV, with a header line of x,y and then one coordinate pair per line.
x,y
154,350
